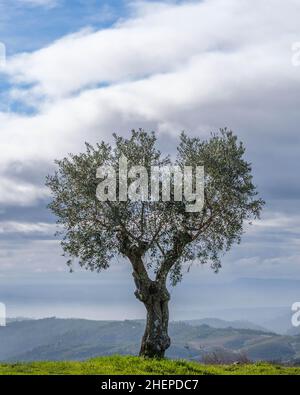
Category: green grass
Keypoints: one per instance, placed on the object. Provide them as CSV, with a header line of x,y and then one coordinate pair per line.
x,y
135,365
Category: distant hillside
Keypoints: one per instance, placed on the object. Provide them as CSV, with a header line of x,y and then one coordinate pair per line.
x,y
78,339
280,324
134,365
218,323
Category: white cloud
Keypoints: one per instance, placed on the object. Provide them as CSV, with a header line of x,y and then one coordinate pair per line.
x,y
161,39
21,193
260,267
195,66
31,256
275,221
43,228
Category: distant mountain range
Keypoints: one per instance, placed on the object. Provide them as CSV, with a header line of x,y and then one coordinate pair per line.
x,y
218,323
78,339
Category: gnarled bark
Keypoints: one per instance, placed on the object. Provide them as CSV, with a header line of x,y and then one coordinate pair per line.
x,y
155,297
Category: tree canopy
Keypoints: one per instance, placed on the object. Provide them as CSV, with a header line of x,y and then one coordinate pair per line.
x,y
154,235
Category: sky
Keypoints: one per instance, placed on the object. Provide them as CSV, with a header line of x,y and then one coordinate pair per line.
x,y
79,70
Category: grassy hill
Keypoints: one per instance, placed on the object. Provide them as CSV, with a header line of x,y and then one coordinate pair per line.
x,y
140,366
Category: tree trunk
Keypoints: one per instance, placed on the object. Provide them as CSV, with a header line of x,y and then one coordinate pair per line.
x,y
155,297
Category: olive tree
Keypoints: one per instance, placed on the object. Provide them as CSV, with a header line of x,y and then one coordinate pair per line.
x,y
158,238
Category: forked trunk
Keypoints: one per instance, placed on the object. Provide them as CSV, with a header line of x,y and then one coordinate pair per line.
x,y
155,298
156,339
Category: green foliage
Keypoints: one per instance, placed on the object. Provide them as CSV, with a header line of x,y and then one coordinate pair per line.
x,y
127,365
158,235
